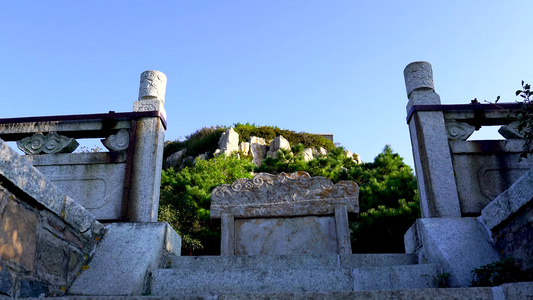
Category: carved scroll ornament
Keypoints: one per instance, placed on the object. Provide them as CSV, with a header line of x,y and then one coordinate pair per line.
x,y
117,142
459,131
50,144
511,131
283,195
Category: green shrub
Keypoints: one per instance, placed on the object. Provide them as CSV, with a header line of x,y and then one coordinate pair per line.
x,y
503,271
202,141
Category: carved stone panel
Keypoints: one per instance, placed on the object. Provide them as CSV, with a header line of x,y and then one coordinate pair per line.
x,y
458,130
294,194
299,235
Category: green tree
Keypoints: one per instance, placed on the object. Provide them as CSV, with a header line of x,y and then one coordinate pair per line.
x,y
186,197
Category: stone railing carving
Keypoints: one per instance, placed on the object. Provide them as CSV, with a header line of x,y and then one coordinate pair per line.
x,y
122,184
284,214
268,195
49,144
458,177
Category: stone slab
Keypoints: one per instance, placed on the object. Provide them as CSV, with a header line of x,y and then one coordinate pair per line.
x,y
509,202
174,282
95,180
394,277
485,169
124,257
299,235
457,244
283,195
309,261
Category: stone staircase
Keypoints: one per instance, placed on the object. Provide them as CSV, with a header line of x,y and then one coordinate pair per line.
x,y
268,274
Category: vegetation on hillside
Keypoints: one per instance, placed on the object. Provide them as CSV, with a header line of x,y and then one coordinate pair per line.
x,y
205,140
388,197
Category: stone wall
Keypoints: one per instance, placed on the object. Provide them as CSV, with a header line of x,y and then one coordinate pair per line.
x,y
46,238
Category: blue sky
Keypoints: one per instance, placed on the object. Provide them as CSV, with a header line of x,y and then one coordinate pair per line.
x,y
314,66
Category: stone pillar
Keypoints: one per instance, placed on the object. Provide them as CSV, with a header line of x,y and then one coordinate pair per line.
x,y
149,135
432,157
342,227
227,243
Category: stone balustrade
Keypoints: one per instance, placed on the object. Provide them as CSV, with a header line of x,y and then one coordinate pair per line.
x,y
122,184
459,177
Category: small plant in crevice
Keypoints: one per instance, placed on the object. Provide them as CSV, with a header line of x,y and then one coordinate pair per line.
x,y
442,280
499,272
524,116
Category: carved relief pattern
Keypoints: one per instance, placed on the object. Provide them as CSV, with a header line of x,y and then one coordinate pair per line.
x,y
283,194
459,131
418,75
511,131
153,85
117,142
50,144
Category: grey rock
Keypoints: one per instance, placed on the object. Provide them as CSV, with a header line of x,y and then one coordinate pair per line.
x,y
278,143
258,147
174,160
228,142
244,148
308,154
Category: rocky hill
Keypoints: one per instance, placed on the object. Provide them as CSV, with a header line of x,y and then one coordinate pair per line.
x,y
257,148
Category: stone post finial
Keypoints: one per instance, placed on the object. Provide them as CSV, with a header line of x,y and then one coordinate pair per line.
x,y
418,75
153,85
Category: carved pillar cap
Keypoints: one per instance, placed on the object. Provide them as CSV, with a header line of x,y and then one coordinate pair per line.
x,y
153,86
418,75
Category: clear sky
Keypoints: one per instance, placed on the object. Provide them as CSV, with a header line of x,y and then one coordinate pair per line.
x,y
314,66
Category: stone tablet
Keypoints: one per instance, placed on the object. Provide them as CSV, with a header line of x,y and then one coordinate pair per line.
x,y
283,195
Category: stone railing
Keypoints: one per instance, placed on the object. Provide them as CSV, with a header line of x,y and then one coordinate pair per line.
x,y
457,177
122,184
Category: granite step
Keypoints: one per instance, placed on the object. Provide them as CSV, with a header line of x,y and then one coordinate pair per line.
x,y
291,261
210,275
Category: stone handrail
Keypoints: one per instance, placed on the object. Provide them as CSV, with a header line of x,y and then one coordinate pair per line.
x,y
135,143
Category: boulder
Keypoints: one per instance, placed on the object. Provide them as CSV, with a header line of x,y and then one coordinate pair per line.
x,y
308,154
174,160
258,147
278,143
228,142
244,148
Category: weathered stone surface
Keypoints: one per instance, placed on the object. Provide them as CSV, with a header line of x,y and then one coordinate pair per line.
x,y
32,289
95,180
418,75
228,142
18,234
485,169
5,283
124,257
432,158
308,154
153,86
118,141
299,235
22,174
515,237
244,147
278,143
511,131
48,144
258,147
510,201
174,160
459,131
293,194
457,244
